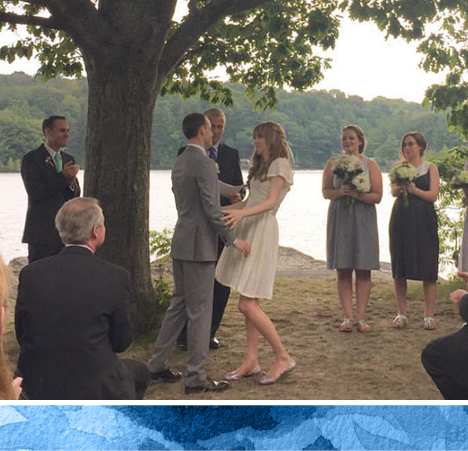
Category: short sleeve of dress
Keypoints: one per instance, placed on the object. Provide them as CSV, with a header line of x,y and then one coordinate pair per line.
x,y
281,167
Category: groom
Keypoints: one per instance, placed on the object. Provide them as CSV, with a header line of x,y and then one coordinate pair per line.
x,y
194,252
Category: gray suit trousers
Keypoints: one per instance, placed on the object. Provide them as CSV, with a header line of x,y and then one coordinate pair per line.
x,y
191,303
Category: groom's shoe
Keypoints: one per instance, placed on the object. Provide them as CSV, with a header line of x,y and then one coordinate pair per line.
x,y
168,375
209,386
214,343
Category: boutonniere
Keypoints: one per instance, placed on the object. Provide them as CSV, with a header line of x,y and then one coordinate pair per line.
x,y
49,161
217,167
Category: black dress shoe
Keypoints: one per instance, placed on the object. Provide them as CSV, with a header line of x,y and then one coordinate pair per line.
x,y
214,343
168,375
209,386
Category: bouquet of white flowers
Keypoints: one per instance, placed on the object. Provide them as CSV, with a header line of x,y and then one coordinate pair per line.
x,y
349,169
362,184
460,180
402,173
346,167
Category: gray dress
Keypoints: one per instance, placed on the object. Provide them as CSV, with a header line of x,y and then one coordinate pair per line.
x,y
352,236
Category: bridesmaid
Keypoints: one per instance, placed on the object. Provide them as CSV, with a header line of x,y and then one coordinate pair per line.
x,y
414,240
352,236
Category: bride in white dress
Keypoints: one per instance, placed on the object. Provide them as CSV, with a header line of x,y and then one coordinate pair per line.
x,y
270,178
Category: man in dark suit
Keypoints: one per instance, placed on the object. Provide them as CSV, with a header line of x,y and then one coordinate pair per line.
x,y
71,317
49,176
194,251
229,171
446,358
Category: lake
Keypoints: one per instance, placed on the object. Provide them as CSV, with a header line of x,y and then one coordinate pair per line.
x,y
302,217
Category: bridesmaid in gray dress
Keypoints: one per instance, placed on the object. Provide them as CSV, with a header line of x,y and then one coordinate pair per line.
x,y
352,236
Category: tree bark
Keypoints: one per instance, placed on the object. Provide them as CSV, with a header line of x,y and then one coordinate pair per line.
x,y
121,100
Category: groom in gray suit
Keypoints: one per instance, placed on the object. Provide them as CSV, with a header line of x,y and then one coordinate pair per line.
x,y
194,253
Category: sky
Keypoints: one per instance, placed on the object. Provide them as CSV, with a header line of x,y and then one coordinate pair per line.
x,y
364,64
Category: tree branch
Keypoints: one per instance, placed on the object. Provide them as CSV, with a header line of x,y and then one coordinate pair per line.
x,y
19,19
196,24
80,19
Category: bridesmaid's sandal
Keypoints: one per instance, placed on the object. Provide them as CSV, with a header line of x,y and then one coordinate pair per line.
x,y
362,326
400,321
347,325
430,323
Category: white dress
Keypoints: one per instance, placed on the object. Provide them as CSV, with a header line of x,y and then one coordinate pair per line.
x,y
254,276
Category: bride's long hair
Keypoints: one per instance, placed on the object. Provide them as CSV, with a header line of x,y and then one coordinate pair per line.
x,y
276,147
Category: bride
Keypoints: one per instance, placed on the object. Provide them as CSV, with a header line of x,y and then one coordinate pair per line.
x,y
270,178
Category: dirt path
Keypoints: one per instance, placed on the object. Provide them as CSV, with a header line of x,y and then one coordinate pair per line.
x,y
382,365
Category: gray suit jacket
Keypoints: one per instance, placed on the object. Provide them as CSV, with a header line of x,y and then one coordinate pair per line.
x,y
196,191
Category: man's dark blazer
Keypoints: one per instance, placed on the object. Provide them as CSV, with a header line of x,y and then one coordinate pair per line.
x,y
446,361
47,191
71,317
229,167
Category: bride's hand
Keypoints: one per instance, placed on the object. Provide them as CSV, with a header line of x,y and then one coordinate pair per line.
x,y
231,218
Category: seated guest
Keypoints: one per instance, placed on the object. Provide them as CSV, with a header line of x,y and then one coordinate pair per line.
x,y
446,358
71,317
9,389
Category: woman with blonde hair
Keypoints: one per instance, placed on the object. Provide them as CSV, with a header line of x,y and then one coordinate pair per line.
x,y
9,389
270,178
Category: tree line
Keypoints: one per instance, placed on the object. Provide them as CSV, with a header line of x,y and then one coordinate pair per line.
x,y
312,120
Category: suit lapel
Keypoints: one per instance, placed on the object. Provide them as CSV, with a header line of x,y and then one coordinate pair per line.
x,y
45,157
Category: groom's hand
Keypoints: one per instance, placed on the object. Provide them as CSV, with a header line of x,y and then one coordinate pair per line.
x,y
242,246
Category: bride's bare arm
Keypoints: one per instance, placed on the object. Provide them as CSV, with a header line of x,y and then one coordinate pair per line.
x,y
232,217
236,206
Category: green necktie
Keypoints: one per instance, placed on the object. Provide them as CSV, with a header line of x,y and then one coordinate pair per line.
x,y
58,162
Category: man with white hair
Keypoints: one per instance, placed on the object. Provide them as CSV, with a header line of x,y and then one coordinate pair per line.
x,y
71,317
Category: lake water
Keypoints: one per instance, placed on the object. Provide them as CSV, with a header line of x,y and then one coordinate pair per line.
x,y
302,217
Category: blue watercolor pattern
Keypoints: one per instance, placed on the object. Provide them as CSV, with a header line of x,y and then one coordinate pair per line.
x,y
33,427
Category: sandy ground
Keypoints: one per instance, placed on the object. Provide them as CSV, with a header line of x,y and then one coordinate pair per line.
x,y
384,364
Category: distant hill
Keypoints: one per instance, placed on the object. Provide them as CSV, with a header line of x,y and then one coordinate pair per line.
x,y
312,120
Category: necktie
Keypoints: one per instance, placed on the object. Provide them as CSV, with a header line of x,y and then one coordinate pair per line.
x,y
58,162
211,151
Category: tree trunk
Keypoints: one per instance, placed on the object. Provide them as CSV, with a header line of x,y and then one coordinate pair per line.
x,y
120,111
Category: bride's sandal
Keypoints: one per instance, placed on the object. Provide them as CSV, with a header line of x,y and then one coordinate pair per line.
x,y
362,326
400,321
430,323
347,325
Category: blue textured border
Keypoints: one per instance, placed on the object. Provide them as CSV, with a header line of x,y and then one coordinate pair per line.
x,y
240,427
